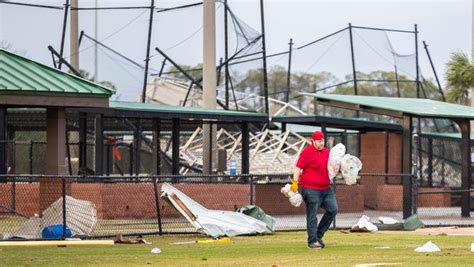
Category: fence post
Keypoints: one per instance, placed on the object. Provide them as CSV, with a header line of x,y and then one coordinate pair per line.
x,y
63,181
31,156
251,188
157,204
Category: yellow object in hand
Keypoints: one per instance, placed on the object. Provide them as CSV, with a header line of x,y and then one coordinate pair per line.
x,y
294,186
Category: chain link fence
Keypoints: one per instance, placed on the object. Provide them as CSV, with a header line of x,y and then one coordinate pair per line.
x,y
102,207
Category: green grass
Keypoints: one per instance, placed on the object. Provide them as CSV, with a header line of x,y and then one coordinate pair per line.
x,y
281,249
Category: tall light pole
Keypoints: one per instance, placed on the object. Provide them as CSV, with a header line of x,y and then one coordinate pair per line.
x,y
74,35
209,79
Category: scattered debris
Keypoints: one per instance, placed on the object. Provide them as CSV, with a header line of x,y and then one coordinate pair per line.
x,y
214,223
409,224
387,220
428,247
364,225
138,240
472,247
156,251
384,247
257,213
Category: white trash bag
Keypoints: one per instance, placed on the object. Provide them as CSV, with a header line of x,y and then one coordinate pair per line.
x,y
428,247
364,225
295,198
350,167
335,157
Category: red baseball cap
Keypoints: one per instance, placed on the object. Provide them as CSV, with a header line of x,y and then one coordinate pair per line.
x,y
317,135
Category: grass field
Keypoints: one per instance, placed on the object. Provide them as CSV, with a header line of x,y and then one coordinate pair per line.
x,y
280,249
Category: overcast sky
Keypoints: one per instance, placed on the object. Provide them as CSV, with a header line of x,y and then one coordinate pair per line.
x,y
444,25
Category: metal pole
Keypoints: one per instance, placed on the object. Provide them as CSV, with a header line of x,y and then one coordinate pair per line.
x,y
386,154
264,55
354,74
99,144
31,157
407,166
130,157
430,161
63,35
175,147
245,148
138,142
162,67
147,59
3,141
417,67
288,75
156,169
63,180
68,152
417,156
226,55
82,141
434,71
466,173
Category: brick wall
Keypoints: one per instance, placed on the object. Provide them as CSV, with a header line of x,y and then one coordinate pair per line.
x,y
434,200
373,161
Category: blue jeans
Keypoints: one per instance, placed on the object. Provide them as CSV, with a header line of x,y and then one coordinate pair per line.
x,y
315,199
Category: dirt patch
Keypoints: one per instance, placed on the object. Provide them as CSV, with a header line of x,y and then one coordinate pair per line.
x,y
451,231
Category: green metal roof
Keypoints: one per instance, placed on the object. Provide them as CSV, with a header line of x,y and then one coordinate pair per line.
x,y
160,108
413,106
25,76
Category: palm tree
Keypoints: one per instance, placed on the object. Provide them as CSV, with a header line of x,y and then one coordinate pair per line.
x,y
460,77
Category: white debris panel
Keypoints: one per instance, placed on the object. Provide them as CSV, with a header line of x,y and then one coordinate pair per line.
x,y
214,223
81,218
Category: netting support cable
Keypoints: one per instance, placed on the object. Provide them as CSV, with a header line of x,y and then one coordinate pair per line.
x,y
110,8
63,34
434,71
147,59
322,38
30,5
382,29
179,7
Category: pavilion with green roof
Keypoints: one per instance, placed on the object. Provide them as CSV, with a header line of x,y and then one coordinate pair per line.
x,y
404,110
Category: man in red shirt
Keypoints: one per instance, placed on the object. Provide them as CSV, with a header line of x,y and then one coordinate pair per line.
x,y
311,175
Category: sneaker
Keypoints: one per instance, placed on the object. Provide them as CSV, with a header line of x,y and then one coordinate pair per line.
x,y
315,245
320,241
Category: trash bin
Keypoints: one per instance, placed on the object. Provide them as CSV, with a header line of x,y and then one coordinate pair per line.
x,y
55,231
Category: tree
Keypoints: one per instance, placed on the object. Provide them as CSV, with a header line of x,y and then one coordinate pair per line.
x,y
460,78
86,75
194,71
